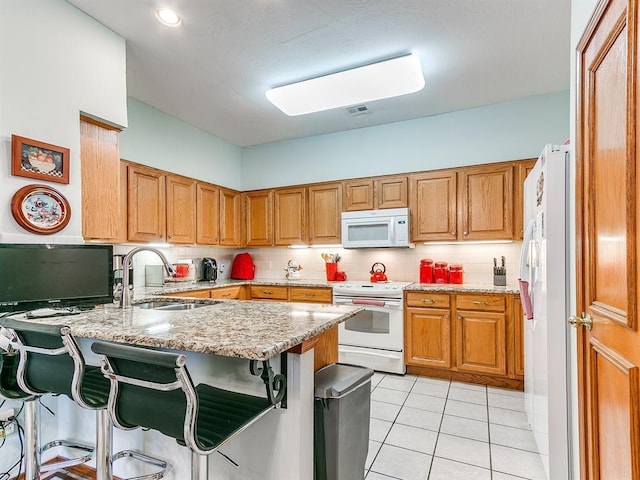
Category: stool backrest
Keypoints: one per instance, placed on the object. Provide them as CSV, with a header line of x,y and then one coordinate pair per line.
x,y
45,362
149,389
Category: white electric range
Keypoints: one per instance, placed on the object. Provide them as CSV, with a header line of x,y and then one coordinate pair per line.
x,y
375,337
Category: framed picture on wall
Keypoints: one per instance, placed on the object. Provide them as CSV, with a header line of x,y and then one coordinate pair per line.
x,y
34,159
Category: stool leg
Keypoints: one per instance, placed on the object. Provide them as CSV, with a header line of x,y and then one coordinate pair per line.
x,y
104,445
199,467
32,450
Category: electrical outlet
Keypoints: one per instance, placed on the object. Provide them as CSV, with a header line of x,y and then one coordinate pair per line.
x,y
221,267
8,428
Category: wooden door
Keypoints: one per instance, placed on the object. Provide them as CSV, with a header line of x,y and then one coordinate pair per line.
x,y
481,342
258,218
325,206
100,160
358,195
428,337
433,206
290,216
146,211
230,218
607,243
391,192
207,214
181,209
522,169
486,202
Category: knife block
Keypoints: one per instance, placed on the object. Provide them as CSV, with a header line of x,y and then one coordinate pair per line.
x,y
500,280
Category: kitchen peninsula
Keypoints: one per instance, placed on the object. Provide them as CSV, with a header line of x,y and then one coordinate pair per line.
x,y
218,339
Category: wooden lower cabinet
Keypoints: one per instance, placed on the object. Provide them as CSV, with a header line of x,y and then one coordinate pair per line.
x,y
466,337
237,292
190,294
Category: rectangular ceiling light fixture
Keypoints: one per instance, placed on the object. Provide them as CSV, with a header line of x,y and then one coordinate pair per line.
x,y
390,78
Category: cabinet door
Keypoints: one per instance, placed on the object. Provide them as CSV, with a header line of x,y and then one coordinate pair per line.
x,y
522,169
487,202
481,342
358,195
258,213
518,320
207,214
230,217
290,216
433,206
325,206
428,337
391,192
181,209
145,204
100,160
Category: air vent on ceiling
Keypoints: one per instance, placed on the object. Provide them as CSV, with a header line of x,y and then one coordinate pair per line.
x,y
356,110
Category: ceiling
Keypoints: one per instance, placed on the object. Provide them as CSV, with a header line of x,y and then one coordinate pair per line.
x,y
214,70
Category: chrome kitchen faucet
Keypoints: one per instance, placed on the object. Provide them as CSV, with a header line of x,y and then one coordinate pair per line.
x,y
125,300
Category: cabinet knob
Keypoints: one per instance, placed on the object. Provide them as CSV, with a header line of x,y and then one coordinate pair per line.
x,y
453,233
459,317
465,233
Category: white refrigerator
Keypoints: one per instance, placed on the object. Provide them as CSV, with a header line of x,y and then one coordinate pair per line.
x,y
544,287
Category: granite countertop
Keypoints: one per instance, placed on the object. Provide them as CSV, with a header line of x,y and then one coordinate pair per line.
x,y
178,287
252,330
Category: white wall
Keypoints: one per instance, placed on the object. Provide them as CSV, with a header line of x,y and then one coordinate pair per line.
x,y
581,11
56,62
160,140
500,132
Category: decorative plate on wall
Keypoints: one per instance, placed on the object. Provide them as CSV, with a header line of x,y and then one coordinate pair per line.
x,y
40,209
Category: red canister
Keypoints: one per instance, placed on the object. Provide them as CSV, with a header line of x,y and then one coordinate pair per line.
x,y
455,273
440,272
426,270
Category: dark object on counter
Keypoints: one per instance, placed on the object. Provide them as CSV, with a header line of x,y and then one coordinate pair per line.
x,y
426,270
209,269
499,273
342,407
378,274
243,267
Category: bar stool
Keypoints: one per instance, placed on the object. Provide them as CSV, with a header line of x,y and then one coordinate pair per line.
x,y
153,389
51,362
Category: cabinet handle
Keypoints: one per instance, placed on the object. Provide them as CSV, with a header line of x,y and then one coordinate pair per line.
x,y
225,295
267,292
428,300
309,294
478,302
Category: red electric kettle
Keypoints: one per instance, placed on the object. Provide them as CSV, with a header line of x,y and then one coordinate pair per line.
x,y
378,275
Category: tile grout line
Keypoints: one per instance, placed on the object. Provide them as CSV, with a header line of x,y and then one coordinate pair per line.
x,y
435,445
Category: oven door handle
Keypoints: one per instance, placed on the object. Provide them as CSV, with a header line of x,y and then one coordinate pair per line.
x,y
374,354
377,303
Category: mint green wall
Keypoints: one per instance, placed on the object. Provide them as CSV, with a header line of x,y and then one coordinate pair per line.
x,y
506,131
159,140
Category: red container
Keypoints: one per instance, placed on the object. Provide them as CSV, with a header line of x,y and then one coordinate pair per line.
x,y
455,273
243,267
426,270
440,272
332,270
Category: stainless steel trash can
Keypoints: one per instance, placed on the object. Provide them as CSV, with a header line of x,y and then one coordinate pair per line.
x,y
342,407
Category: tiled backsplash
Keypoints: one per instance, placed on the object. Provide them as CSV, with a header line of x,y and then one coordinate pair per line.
x,y
401,264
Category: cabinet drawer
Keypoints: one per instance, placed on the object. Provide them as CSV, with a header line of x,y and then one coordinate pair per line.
x,y
229,293
271,293
491,303
431,300
191,294
301,294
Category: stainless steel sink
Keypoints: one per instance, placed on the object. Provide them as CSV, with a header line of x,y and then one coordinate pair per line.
x,y
164,305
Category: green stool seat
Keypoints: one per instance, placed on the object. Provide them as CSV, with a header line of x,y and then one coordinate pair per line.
x,y
9,387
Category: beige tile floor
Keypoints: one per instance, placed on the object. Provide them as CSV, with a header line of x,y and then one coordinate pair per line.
x,y
430,429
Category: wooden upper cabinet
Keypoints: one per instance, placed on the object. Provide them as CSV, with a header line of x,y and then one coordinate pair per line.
x,y
290,216
181,209
258,218
100,167
391,192
230,218
146,204
325,207
486,201
358,195
207,214
433,206
522,169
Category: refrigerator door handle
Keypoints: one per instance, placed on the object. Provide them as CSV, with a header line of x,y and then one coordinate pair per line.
x,y
526,268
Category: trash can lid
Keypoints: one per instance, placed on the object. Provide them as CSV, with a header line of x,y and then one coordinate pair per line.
x,y
337,379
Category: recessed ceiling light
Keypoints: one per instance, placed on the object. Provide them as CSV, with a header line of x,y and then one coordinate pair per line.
x,y
390,78
168,17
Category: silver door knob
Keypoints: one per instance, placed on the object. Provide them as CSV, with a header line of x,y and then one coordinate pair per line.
x,y
584,320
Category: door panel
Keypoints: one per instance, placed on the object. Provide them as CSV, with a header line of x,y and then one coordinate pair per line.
x,y
606,243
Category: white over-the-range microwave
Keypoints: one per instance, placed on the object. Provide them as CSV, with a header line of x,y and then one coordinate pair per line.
x,y
376,228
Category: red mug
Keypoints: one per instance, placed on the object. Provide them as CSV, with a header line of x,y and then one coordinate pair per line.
x,y
341,276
